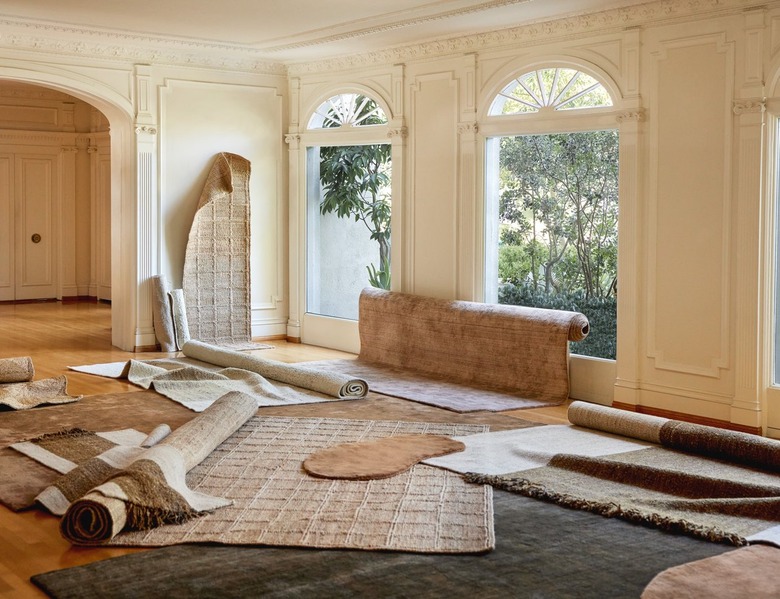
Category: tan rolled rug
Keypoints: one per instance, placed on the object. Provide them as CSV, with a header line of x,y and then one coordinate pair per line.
x,y
216,278
22,396
299,375
137,488
162,316
16,370
463,356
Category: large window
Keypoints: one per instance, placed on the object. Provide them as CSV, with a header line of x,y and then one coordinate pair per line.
x,y
348,208
552,203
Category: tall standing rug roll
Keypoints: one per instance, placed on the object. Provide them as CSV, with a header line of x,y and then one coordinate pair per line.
x,y
216,278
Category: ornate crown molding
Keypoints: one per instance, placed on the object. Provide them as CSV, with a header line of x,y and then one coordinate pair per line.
x,y
608,20
38,36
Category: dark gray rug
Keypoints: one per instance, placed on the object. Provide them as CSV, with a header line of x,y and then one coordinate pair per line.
x,y
542,551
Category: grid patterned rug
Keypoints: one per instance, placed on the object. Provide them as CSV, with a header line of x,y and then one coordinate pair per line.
x,y
276,503
216,264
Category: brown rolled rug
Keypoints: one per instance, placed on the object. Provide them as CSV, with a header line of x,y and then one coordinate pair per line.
x,y
149,489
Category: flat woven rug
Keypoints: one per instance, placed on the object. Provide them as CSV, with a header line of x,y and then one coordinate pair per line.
x,y
703,497
275,502
22,396
208,372
216,279
542,552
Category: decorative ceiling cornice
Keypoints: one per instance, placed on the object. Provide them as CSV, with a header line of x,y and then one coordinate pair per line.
x,y
608,20
400,24
39,36
119,46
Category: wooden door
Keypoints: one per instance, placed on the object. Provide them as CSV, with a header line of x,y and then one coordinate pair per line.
x,y
36,180
7,229
28,188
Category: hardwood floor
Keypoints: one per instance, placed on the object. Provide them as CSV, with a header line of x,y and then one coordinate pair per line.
x,y
59,335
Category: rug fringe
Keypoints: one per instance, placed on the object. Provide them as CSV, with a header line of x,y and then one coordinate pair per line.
x,y
608,509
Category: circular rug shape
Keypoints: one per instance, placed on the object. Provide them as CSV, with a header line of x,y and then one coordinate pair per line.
x,y
380,458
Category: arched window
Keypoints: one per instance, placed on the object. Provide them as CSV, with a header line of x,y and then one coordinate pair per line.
x,y
348,206
552,199
347,110
550,89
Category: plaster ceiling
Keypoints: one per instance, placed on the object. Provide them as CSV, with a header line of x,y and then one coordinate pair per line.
x,y
293,31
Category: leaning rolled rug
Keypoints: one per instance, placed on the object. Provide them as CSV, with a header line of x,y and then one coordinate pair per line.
x,y
329,383
16,370
151,490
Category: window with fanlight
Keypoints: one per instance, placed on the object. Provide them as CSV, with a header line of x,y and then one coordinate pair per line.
x,y
348,167
552,200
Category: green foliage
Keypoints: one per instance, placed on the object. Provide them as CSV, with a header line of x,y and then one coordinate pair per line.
x,y
558,213
601,312
356,184
559,201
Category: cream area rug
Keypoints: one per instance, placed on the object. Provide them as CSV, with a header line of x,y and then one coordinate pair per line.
x,y
523,449
22,396
463,356
275,502
216,281
208,371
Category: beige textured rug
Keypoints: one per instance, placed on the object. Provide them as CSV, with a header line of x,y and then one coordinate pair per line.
x,y
16,370
463,356
216,278
21,396
208,372
275,502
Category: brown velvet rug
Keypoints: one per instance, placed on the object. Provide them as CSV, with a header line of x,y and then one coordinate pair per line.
x,y
746,572
463,356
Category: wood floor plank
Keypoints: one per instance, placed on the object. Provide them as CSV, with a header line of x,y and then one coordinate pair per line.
x,y
59,335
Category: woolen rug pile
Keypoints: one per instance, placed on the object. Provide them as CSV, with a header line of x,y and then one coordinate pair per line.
x,y
542,552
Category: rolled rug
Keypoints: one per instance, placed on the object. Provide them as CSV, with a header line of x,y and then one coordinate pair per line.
x,y
329,383
151,489
162,317
16,370
734,446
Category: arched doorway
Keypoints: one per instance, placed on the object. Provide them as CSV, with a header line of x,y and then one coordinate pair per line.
x,y
118,111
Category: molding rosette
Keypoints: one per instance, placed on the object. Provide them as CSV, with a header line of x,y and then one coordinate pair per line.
x,y
466,128
398,132
293,140
631,116
749,105
139,129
